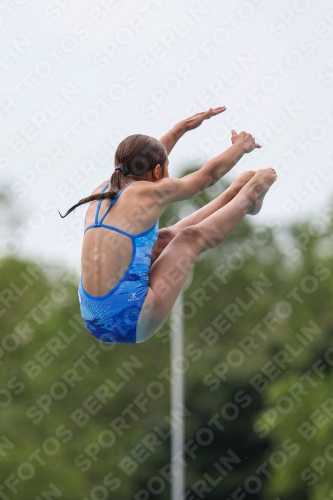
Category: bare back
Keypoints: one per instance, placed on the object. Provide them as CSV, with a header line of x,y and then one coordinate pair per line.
x,y
106,253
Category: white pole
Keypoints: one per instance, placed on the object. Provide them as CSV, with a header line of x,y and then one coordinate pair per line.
x,y
177,400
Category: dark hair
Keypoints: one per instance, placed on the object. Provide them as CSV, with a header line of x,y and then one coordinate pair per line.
x,y
135,158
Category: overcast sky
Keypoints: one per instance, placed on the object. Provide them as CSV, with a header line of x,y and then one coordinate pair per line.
x,y
77,76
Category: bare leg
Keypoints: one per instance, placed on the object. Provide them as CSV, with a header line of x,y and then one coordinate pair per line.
x,y
169,272
167,234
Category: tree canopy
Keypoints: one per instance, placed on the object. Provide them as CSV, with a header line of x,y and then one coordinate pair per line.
x,y
84,420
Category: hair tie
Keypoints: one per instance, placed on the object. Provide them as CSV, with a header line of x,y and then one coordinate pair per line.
x,y
120,168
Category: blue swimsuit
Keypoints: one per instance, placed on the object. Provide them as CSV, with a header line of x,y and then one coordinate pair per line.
x,y
112,318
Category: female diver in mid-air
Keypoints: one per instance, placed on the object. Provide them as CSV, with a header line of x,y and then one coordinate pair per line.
x,y
132,273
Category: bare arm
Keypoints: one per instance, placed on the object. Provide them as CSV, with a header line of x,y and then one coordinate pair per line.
x,y
172,137
217,167
169,190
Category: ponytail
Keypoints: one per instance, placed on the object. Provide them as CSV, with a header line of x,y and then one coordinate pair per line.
x,y
109,194
136,157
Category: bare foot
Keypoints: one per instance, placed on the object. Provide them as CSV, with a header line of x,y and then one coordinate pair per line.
x,y
241,180
257,188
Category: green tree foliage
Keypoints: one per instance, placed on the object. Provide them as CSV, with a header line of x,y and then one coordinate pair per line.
x,y
82,420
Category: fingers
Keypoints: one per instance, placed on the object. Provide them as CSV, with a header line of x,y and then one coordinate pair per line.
x,y
234,136
211,112
244,136
219,110
256,145
216,111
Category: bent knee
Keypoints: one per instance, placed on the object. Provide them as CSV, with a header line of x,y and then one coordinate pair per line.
x,y
166,234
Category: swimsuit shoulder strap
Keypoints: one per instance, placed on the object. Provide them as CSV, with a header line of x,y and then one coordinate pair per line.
x,y
114,201
99,205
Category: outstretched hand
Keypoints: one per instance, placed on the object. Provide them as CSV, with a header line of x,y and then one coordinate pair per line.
x,y
172,137
248,141
196,120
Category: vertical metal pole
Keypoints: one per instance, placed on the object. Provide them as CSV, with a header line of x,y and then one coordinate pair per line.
x,y
177,400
